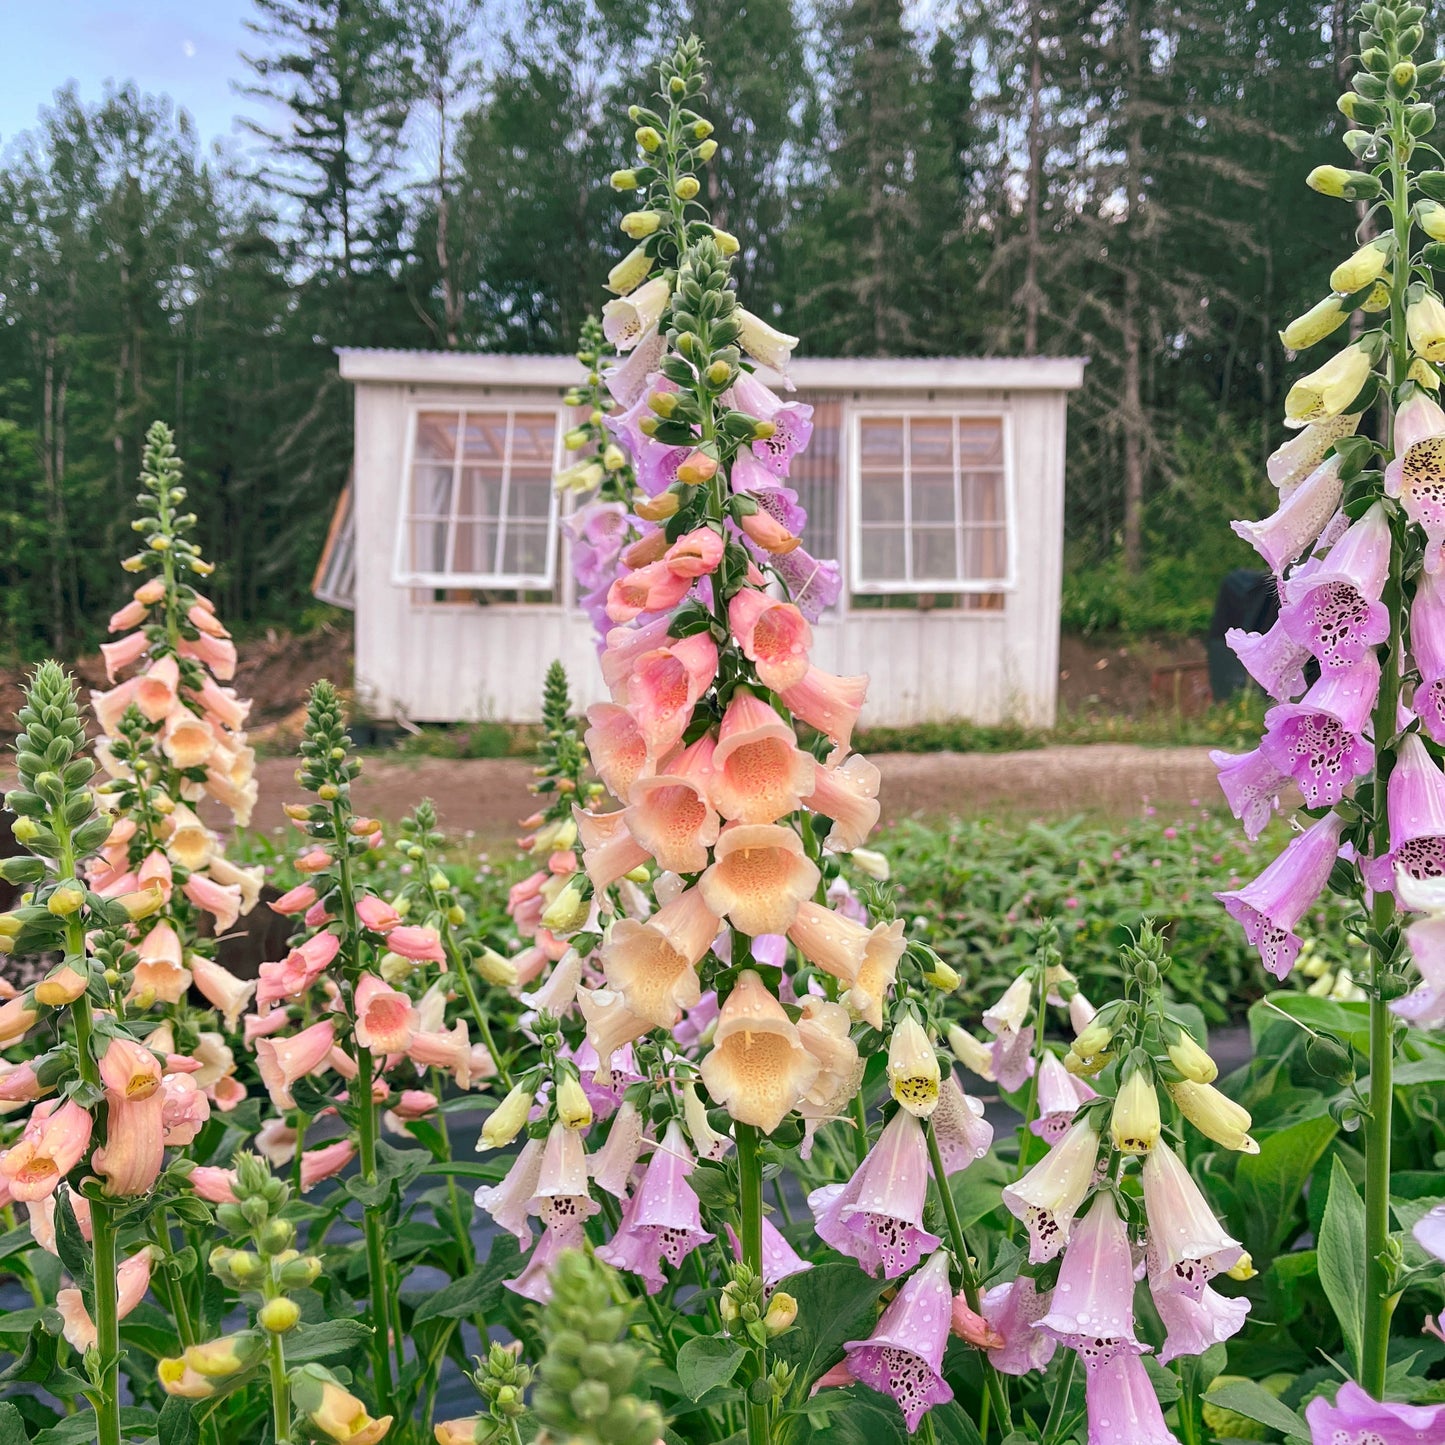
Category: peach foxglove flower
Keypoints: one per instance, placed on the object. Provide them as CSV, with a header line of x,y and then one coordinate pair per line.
x,y
184,1109
340,1416
134,1148
283,1061
824,1029
759,877
609,851
1329,390
120,655
774,636
627,320
219,654
1049,1195
376,913
616,747
325,1162
384,1016
665,685
222,705
450,1051
419,942
215,1186
829,703
189,843
764,343
764,531
670,814
156,694
131,615
132,1279
829,940
759,772
610,1024
298,900
913,1072
696,553
186,739
654,588
17,1018
758,1069
465,1430
652,965
246,881
61,986
221,900
847,794
291,976
662,1220
876,973
53,1143
877,1216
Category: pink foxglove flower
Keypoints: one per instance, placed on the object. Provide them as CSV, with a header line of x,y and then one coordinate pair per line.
x,y
1335,609
419,942
1092,1307
653,964
1427,646
561,1198
221,988
609,851
829,940
297,900
1011,1311
291,976
1269,908
653,588
283,1061
1187,1244
509,1203
1356,1419
535,1281
1049,1195
1273,659
774,636
792,422
826,702
903,1357
54,1141
1122,1405
780,1260
222,901
385,1019
664,685
662,1219
214,1185
325,1162
1251,785
758,1068
1010,1020
1416,805
132,1280
877,1216
1319,741
1060,1095
759,876
1429,1231
1414,475
1195,1321
612,1165
1301,518
184,1111
759,773
671,814
616,747
847,793
134,1146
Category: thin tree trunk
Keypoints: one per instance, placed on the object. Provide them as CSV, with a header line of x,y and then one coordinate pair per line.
x,y
1131,402
1032,295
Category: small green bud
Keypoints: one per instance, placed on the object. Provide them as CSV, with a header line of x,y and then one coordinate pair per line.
x,y
279,1315
648,139
624,180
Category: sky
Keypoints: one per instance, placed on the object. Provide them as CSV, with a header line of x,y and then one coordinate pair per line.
x,y
187,49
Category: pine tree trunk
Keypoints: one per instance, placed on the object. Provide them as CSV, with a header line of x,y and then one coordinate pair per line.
x,y
1032,295
1131,402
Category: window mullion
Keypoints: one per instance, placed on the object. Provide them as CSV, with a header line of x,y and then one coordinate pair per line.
x,y
908,499
449,551
959,557
504,495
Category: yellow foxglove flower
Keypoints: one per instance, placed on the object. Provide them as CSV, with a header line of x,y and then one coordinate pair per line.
x,y
339,1415
573,1108
1134,1122
568,911
1430,217
1379,297
1192,1061
972,1053
507,1120
625,320
228,1355
1243,1267
1329,390
765,343
913,1072
1316,323
1423,374
1343,185
630,272
638,225
496,968
1366,265
875,865
580,477
1425,324
1214,1116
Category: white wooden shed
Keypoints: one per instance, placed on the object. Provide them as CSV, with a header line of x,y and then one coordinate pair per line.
x,y
938,483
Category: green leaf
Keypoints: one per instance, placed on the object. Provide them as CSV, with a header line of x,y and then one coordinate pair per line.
x,y
836,1302
1254,1402
177,1423
707,1361
478,1293
327,1340
1342,1256
80,1429
1270,1184
12,1427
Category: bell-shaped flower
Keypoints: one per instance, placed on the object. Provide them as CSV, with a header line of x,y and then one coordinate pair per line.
x,y
419,942
1355,1418
325,1163
759,876
1011,1311
758,1068
764,343
246,881
160,971
184,1110
1414,475
295,900
291,976
1335,609
824,1028
1049,1195
610,1024
1429,1231
696,553
187,739
54,1141
1060,1095
1010,1020
561,1197
1273,659
385,1020
877,1216
875,976
509,1203
1092,1307
222,901
1425,326
156,694
792,422
829,940
119,655
616,747
1251,786
1193,1322
664,686
1122,1404
653,588
132,1280
1294,460
827,702
134,1147
627,319
774,636
1427,646
613,1164
903,1357
847,793
1269,908
780,1260
1295,527
222,705
662,1220
706,1141
1214,1115
1134,1118
213,1184
653,964
1319,741
670,814
962,1133
340,1416
758,771
452,1051
609,852
283,1061
1416,806
1328,390
913,1072
1187,1244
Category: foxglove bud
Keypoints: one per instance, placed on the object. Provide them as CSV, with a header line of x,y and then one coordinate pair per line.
x,y
1215,1116
1134,1121
1316,323
1191,1060
638,225
507,1120
913,1072
1342,184
573,1109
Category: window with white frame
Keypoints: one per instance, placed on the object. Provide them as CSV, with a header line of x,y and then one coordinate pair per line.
x,y
930,504
478,506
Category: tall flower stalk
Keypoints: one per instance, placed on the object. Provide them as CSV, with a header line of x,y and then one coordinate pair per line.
x,y
1356,546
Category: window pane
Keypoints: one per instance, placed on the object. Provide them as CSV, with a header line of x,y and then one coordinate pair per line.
x,y
533,437
985,554
475,549
479,493
431,493
436,435
980,442
934,554
880,443
817,477
930,442
525,548
429,546
932,498
530,495
484,438
882,499
983,497
882,559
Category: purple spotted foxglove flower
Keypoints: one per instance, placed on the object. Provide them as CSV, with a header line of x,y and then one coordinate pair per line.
x,y
1011,1311
1060,1094
1319,741
1429,1231
1292,461
903,1357
1335,609
877,1216
1415,476
1296,526
535,1281
1049,1195
1251,785
792,422
1424,1006
1357,1419
814,583
1273,659
509,1203
1427,645
1417,819
963,1134
1122,1406
1269,908
1194,1322
780,1259
613,1163
1092,1307
563,1198
662,1220
1187,1245
1010,1022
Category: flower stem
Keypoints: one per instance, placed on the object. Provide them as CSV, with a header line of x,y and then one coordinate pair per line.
x,y
107,1321
969,1271
750,1189
280,1390
464,977
374,1228
1060,1402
